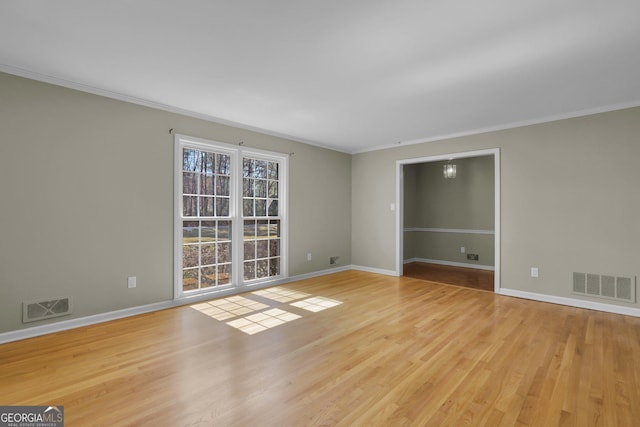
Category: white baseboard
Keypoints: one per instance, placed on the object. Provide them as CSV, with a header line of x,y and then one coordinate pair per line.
x,y
450,263
375,270
319,273
571,302
64,325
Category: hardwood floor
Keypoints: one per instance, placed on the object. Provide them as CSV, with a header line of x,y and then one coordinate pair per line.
x,y
468,277
385,351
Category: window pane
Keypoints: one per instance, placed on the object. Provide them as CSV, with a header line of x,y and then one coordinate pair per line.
x,y
261,188
207,277
222,185
206,185
260,169
190,206
224,252
206,206
247,207
223,164
249,250
247,168
222,206
262,247
273,208
208,232
190,159
261,207
224,230
190,279
208,254
208,160
249,270
273,170
273,189
274,228
262,268
249,229
189,256
274,266
274,247
224,274
263,228
189,183
247,187
190,231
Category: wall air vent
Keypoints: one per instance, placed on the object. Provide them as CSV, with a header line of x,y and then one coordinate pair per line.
x,y
603,286
40,310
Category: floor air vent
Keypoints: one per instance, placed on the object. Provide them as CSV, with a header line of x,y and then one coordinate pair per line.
x,y
39,310
602,286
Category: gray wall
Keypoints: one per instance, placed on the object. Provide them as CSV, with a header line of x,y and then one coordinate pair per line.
x,y
465,202
86,190
569,199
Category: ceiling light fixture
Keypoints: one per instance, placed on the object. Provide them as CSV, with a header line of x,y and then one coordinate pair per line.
x,y
449,170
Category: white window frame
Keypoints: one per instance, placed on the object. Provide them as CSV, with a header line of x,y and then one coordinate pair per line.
x,y
237,153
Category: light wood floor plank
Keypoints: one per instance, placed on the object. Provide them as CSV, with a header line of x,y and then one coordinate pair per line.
x,y
393,352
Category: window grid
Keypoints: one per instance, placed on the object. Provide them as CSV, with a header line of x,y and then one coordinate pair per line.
x,y
206,241
206,183
206,254
261,221
214,182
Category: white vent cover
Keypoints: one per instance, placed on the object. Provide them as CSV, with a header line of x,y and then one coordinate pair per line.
x,y
39,310
603,286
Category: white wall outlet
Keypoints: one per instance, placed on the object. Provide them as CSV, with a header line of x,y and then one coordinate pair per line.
x,y
132,282
462,249
308,256
534,272
392,206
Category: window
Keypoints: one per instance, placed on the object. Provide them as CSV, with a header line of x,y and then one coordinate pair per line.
x,y
230,216
261,220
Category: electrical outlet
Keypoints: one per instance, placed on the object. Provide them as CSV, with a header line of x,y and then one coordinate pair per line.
x,y
132,282
308,256
472,257
534,272
462,249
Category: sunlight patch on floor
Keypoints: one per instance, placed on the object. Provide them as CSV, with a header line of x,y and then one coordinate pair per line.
x,y
280,294
316,303
251,317
261,321
226,308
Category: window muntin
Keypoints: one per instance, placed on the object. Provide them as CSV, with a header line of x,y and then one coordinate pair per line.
x,y
261,218
230,219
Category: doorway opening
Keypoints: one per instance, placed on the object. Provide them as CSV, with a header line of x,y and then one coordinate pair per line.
x,y
448,223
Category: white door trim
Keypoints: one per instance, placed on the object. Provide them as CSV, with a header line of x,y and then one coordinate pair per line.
x,y
495,152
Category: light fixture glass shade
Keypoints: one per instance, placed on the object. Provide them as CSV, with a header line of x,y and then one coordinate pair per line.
x,y
449,170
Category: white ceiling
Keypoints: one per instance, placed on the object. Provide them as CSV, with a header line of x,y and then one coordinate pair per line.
x,y
353,75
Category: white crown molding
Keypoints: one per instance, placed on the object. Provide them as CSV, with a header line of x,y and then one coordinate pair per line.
x,y
506,126
45,78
